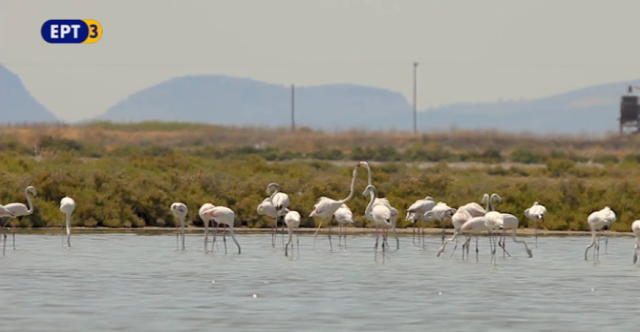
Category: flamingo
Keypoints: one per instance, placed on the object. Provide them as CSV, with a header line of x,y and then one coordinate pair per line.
x,y
442,212
225,216
475,209
280,201
67,206
180,211
343,216
292,220
635,227
536,212
4,213
19,210
493,220
325,207
417,210
206,219
457,220
597,220
382,201
381,216
473,226
510,222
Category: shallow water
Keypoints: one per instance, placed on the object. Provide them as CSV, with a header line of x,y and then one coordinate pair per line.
x,y
127,282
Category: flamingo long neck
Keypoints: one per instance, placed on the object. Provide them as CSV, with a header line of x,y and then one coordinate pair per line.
x,y
353,182
29,201
273,194
368,173
373,195
486,199
491,203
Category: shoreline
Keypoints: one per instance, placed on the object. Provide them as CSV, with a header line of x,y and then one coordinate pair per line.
x,y
305,230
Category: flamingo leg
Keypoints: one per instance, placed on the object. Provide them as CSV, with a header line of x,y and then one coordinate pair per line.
x,y
233,237
286,246
329,233
591,244
298,240
315,237
273,232
535,231
14,237
224,239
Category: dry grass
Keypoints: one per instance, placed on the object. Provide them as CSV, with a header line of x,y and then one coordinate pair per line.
x,y
187,135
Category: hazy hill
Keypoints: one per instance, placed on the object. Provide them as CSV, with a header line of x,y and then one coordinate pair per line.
x,y
593,109
16,103
239,101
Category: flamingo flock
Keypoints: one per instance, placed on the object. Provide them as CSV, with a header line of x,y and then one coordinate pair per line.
x,y
469,220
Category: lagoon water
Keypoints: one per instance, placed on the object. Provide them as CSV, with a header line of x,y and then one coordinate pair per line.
x,y
138,282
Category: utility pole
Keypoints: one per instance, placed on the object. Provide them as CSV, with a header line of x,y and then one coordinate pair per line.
x,y
415,92
293,119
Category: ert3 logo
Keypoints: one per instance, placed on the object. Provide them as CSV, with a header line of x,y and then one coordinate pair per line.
x,y
71,31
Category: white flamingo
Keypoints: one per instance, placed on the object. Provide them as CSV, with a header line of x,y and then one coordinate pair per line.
x,y
381,216
292,220
67,206
475,209
536,213
441,212
493,220
180,211
344,217
635,227
383,201
325,207
457,220
597,220
416,211
19,210
222,215
511,223
4,213
474,226
280,201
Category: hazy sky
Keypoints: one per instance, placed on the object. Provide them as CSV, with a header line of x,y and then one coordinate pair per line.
x,y
468,50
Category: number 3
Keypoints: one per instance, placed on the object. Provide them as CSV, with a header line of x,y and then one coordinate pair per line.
x,y
94,31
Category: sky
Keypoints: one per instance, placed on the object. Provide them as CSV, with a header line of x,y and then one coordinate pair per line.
x,y
468,51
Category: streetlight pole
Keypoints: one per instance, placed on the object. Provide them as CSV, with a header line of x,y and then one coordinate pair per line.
x,y
415,92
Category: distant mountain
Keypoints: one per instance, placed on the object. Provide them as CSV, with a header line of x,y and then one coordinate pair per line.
x,y
239,101
16,103
592,110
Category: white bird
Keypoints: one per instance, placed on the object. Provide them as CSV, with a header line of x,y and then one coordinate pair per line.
x,y
635,227
475,209
511,222
473,226
442,212
280,201
19,210
416,211
292,220
180,211
325,207
493,220
223,215
343,216
383,201
457,220
536,212
597,220
381,216
67,206
206,220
